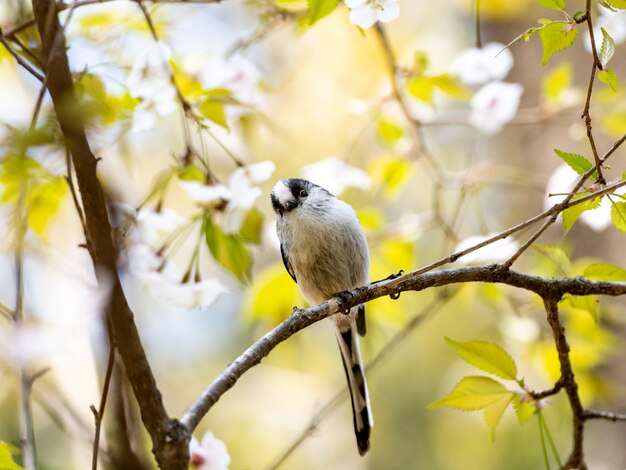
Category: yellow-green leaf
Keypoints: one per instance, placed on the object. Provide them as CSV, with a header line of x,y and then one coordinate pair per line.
x,y
554,4
571,214
391,173
619,4
421,88
452,86
489,357
523,410
618,216
607,49
318,9
494,412
473,393
576,162
556,255
272,295
555,37
605,272
556,81
586,303
251,226
389,131
6,460
608,77
229,250
43,202
214,111
191,173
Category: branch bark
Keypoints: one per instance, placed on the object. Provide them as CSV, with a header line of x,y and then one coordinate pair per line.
x,y
547,288
169,437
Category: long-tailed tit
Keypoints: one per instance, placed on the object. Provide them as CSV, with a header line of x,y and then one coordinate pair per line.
x,y
325,252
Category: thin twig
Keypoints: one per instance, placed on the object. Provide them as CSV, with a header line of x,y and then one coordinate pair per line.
x,y
568,200
40,96
558,386
20,60
598,414
99,413
70,183
586,115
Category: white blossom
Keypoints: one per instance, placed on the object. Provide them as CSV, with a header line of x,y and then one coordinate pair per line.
x,y
494,105
238,196
163,280
150,81
476,66
336,175
365,13
495,252
211,454
147,225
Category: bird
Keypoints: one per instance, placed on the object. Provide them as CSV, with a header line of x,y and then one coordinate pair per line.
x,y
325,251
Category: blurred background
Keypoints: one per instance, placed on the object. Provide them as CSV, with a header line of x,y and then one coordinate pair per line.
x,y
318,102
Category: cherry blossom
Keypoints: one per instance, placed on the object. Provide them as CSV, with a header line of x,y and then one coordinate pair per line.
x,y
365,13
235,199
476,66
336,175
150,81
494,105
210,454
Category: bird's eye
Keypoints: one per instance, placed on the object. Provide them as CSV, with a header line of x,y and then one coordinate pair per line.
x,y
304,193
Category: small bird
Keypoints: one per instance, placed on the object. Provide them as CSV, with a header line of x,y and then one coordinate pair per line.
x,y
325,252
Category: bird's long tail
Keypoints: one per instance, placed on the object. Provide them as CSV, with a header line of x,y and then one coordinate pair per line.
x,y
353,365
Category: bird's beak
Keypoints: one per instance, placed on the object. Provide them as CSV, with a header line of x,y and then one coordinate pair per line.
x,y
291,205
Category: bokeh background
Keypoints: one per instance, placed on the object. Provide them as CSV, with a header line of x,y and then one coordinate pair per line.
x,y
313,93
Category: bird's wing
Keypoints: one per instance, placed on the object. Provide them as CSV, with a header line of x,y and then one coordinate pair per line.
x,y
283,253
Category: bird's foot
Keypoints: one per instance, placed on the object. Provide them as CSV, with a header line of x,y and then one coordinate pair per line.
x,y
345,299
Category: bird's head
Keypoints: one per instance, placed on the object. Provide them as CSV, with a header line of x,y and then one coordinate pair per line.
x,y
289,194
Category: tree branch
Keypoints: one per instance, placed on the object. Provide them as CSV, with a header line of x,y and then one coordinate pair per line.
x,y
18,58
552,288
576,459
169,438
598,414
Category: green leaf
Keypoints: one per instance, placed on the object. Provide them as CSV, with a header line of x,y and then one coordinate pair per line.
x,y
6,460
523,410
489,357
576,162
252,226
494,412
451,86
608,77
555,37
229,250
43,202
318,9
556,81
473,393
554,4
605,272
389,131
607,49
618,216
570,215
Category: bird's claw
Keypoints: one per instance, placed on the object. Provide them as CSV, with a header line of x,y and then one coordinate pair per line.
x,y
344,298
